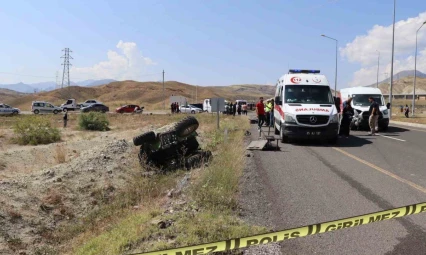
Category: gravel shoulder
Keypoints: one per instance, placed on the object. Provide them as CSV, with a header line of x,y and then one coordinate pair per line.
x,y
256,205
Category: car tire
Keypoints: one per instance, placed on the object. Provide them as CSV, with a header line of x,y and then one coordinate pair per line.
x,y
147,137
36,111
15,113
55,112
186,127
193,112
121,112
284,139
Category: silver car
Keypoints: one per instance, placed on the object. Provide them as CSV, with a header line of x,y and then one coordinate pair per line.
x,y
7,110
190,109
44,107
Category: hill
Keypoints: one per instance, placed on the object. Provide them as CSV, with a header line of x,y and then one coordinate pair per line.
x,y
51,85
404,86
400,75
8,95
148,94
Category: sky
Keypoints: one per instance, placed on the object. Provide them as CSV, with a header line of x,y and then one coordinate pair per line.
x,y
208,43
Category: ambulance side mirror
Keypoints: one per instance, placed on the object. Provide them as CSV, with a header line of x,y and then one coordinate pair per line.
x,y
278,100
388,105
337,103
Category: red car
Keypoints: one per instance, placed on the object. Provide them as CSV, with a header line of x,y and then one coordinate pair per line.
x,y
130,108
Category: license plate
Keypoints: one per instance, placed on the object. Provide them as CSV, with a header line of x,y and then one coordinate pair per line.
x,y
313,133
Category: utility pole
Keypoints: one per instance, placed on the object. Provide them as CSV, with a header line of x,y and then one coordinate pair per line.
x,y
415,72
66,64
164,95
57,83
391,74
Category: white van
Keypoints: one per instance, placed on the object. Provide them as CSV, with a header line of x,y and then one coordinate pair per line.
x,y
305,107
361,105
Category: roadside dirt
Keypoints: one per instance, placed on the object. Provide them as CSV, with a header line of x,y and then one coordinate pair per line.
x,y
256,207
43,187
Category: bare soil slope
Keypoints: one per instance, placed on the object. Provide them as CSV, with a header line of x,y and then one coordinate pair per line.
x,y
7,95
148,94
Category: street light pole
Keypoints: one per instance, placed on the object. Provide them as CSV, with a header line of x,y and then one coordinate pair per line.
x,y
335,76
391,74
378,64
415,73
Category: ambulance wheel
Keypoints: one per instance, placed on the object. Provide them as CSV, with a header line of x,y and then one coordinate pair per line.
x,y
284,138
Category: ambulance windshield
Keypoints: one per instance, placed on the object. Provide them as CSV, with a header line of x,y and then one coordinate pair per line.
x,y
308,94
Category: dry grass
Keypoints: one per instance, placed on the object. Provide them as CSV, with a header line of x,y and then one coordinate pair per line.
x,y
53,197
213,195
60,154
2,165
13,214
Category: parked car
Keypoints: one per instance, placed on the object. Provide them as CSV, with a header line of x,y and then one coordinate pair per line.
x,y
95,108
89,102
44,107
190,109
7,110
70,105
130,108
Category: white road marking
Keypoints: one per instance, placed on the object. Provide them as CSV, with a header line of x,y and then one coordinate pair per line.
x,y
392,138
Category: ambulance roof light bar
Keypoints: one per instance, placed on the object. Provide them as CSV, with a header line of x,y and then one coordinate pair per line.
x,y
303,71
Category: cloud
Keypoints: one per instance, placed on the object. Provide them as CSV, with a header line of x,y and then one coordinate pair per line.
x,y
127,63
363,50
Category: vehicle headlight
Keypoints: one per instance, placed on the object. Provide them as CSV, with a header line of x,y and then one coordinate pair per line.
x,y
334,118
289,118
385,112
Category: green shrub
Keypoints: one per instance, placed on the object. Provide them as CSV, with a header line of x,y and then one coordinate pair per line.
x,y
93,121
35,130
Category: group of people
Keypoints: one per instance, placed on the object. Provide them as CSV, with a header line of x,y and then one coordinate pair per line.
x,y
265,113
175,107
236,108
348,113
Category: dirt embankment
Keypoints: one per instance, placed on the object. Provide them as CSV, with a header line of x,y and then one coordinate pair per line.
x,y
44,187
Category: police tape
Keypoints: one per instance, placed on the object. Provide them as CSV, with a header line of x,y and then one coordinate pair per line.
x,y
278,236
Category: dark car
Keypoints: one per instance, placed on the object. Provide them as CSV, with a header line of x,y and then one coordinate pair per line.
x,y
130,108
95,108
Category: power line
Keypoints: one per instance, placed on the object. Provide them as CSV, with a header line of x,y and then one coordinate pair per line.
x,y
66,64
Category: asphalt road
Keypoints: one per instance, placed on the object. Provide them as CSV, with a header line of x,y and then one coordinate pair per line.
x,y
310,182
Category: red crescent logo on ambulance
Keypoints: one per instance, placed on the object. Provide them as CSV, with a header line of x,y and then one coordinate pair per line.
x,y
295,79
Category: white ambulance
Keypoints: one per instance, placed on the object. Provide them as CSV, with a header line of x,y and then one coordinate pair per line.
x,y
305,107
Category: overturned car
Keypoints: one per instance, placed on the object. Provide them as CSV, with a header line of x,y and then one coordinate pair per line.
x,y
173,149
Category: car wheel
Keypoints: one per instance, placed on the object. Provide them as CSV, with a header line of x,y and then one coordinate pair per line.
x,y
15,113
284,139
65,110
121,111
36,111
193,112
55,112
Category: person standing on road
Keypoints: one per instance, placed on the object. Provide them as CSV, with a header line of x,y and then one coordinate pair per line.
x,y
271,113
65,118
260,112
234,109
244,109
239,109
407,110
374,115
347,114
